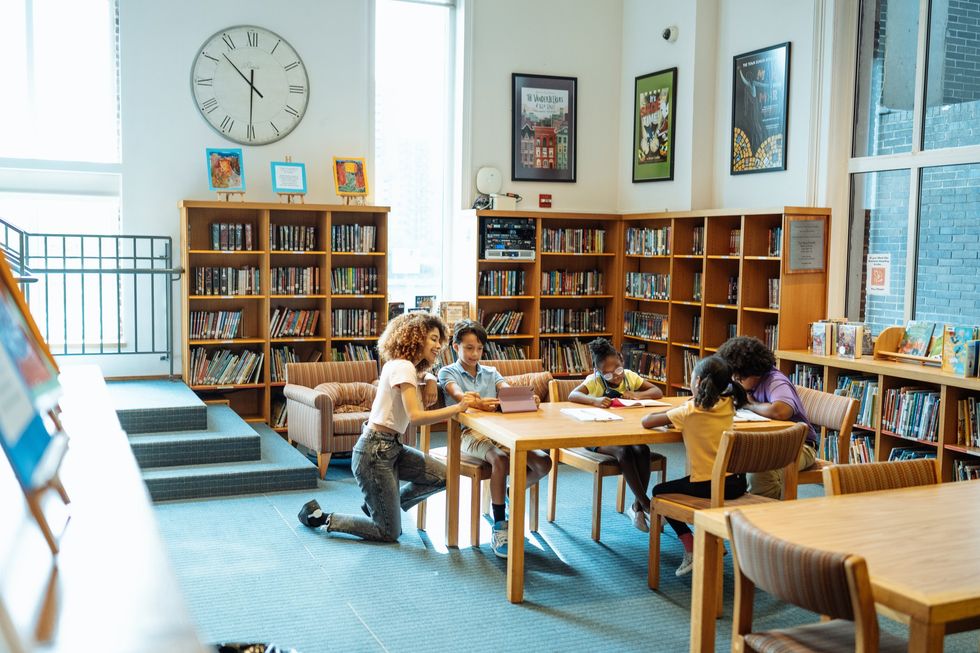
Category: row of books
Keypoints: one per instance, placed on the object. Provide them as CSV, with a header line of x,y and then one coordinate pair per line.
x,y
648,285
227,281
808,376
697,240
353,237
839,337
645,363
231,237
354,281
912,413
506,323
295,280
225,367
214,324
498,351
862,449
646,241
770,336
968,422
279,356
698,286
775,241
735,242
732,296
566,282
773,293
352,352
292,238
865,390
290,322
278,417
910,453
696,329
566,356
690,360
501,283
353,322
573,320
573,241
964,470
958,346
653,326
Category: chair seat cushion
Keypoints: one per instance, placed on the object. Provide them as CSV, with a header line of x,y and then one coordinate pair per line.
x,y
468,464
828,637
697,503
349,423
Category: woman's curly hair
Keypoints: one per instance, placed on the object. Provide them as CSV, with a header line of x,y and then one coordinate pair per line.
x,y
747,356
405,336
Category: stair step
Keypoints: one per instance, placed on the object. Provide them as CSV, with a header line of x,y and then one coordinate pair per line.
x,y
280,468
227,438
153,406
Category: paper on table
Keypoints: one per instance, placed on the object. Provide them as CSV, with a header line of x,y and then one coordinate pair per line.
x,y
630,403
590,414
746,415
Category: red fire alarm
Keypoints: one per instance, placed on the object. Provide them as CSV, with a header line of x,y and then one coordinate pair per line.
x,y
544,201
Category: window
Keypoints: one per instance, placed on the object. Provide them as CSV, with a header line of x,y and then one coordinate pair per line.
x,y
414,126
915,170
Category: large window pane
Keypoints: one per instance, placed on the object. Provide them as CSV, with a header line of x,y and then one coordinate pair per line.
x,y
953,77
878,230
885,77
948,264
413,126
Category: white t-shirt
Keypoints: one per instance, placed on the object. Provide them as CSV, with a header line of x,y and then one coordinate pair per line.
x,y
388,409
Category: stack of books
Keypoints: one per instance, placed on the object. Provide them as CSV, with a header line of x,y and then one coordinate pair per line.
x,y
501,283
227,281
352,238
218,325
292,238
572,320
573,241
506,323
647,285
225,367
353,323
295,280
652,326
231,237
288,322
354,281
563,282
647,241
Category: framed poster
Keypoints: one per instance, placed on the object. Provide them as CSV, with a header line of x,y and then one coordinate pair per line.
x,y
654,112
349,177
288,177
543,144
225,169
806,244
760,106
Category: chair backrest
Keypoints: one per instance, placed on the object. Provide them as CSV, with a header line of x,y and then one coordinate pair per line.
x,y
832,412
515,367
869,477
744,452
313,374
559,389
832,584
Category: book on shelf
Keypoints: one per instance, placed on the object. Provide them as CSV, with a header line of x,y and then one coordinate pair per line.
x,y
822,337
218,325
292,238
647,285
968,422
646,363
395,309
865,390
278,414
850,341
573,320
508,352
314,356
566,357
279,357
770,336
224,367
354,352
911,412
735,242
774,293
959,355
862,449
353,238
690,360
570,282
573,241
966,470
732,296
731,330
807,376
226,281
354,281
291,322
696,291
647,241
231,237
652,326
697,240
775,241
910,453
915,341
501,283
505,323
294,280
696,329
353,322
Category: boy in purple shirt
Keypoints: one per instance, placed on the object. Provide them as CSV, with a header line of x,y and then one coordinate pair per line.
x,y
771,394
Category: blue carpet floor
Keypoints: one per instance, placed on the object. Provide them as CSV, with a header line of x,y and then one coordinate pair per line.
x,y
250,571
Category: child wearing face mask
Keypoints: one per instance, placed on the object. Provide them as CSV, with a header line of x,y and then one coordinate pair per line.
x,y
608,381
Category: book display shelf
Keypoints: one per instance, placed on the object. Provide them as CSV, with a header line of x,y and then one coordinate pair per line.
x,y
266,284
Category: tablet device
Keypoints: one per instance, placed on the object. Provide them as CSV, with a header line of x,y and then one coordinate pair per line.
x,y
517,399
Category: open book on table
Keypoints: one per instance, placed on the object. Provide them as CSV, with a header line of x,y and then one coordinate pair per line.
x,y
746,415
590,414
620,402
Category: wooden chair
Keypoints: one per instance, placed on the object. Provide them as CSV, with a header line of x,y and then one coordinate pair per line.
x,y
597,464
870,477
741,452
831,413
833,584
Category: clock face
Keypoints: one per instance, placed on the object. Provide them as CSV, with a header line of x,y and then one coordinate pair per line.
x,y
250,85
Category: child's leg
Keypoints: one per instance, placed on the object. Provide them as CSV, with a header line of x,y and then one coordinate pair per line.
x,y
538,466
734,488
642,455
627,462
425,476
373,463
499,469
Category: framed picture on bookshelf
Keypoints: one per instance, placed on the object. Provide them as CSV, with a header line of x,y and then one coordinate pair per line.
x,y
760,109
225,169
543,143
349,177
654,110
288,177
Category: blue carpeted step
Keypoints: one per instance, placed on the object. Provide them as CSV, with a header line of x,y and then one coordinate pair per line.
x,y
227,439
155,406
280,468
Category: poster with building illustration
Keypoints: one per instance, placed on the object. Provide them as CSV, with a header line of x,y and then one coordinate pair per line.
x,y
543,128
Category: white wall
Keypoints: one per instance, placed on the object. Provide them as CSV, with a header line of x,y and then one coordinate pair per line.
x,y
571,38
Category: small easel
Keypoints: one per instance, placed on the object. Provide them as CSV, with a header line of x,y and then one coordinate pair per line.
x,y
353,200
226,195
292,198
49,511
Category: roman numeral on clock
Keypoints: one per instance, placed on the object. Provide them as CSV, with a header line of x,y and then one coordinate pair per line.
x,y
209,57
205,81
250,132
292,65
253,39
209,105
297,88
228,41
274,128
291,111
227,124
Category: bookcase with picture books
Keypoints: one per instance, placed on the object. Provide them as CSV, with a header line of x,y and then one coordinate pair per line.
x,y
266,284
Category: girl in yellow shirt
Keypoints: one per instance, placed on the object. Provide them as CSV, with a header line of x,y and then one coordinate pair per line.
x,y
702,421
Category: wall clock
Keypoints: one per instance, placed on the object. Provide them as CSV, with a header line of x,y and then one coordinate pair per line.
x,y
250,85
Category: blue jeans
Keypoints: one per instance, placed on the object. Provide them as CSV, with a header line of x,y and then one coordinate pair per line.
x,y
379,462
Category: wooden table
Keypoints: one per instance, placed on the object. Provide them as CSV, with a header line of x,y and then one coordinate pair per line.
x,y
545,429
921,545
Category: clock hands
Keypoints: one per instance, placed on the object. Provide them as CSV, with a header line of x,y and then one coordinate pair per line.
x,y
251,85
251,95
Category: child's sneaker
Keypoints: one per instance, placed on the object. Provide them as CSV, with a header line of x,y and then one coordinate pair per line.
x,y
312,516
498,539
639,519
687,564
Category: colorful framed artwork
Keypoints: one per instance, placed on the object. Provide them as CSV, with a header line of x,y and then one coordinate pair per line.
x,y
288,177
654,112
760,109
544,116
225,170
349,176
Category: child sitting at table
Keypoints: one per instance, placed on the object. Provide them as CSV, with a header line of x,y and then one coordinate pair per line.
x,y
610,381
467,377
702,421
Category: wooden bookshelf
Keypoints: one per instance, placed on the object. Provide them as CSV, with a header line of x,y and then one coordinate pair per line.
x,y
894,374
255,401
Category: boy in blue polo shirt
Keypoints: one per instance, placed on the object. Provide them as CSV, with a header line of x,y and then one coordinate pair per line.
x,y
468,377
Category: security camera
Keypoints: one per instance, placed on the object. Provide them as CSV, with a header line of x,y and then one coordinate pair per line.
x,y
670,33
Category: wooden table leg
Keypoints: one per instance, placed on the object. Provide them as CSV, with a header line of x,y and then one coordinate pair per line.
x,y
553,485
452,484
926,637
424,443
704,590
515,530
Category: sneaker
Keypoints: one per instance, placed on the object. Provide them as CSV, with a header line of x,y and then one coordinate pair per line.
x,y
687,564
364,509
498,539
311,515
639,519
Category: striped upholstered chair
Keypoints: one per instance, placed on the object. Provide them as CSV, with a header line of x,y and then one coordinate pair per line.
x,y
740,452
828,412
597,464
832,584
870,477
